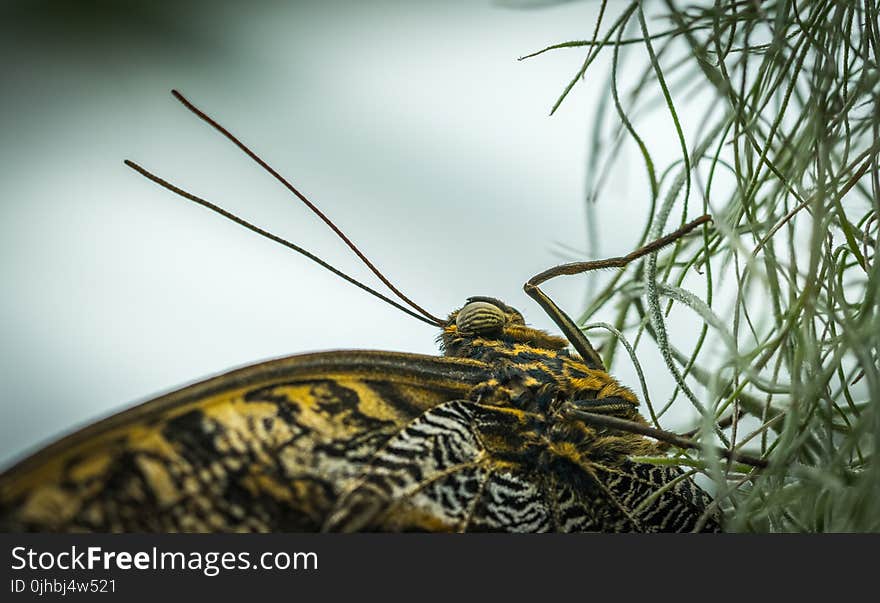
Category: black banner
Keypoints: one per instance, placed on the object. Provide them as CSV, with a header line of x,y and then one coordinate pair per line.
x,y
394,567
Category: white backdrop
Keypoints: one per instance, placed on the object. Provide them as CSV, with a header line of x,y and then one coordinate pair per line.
x,y
411,124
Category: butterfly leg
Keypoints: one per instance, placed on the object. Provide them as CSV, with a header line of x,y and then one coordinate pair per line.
x,y
568,327
609,406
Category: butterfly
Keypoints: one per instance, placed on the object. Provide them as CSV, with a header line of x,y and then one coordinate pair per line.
x,y
508,430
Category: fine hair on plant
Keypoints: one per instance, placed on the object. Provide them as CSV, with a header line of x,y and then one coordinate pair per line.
x,y
774,110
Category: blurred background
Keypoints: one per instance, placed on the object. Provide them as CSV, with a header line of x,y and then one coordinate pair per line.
x,y
411,124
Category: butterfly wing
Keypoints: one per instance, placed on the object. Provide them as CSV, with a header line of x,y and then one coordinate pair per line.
x,y
653,498
267,447
459,467
443,472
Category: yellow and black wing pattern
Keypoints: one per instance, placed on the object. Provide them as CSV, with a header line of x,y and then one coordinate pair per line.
x,y
368,441
264,448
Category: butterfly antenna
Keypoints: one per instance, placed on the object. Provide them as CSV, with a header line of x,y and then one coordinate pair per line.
x,y
273,237
244,148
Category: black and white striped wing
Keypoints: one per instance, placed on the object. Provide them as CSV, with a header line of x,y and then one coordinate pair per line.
x,y
436,475
655,498
443,472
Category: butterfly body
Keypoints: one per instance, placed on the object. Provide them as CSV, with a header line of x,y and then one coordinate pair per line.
x,y
349,441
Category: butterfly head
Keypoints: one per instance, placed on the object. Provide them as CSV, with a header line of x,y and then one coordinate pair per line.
x,y
485,316
485,319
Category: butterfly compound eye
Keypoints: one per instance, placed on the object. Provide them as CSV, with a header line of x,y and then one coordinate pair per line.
x,y
479,318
